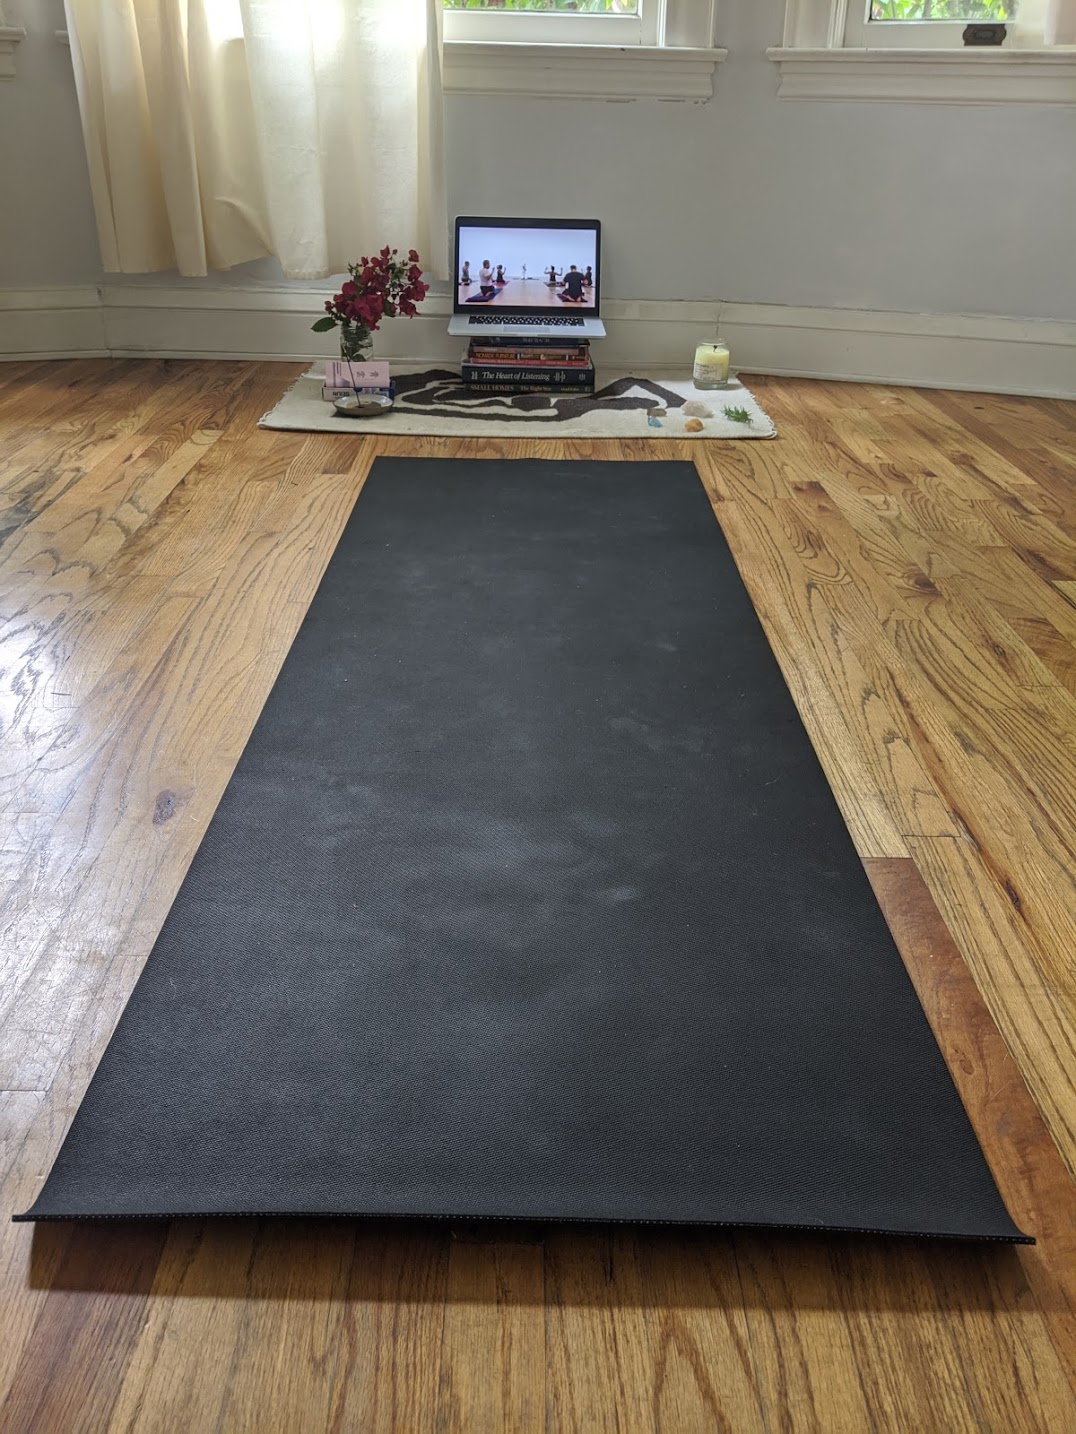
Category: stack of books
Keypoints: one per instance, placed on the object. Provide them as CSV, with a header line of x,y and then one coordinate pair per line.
x,y
530,364
342,379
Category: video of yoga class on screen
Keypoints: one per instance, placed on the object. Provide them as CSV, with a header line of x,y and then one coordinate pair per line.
x,y
528,268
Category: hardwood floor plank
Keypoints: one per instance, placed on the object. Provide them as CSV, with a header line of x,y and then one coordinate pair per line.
x,y
600,1351
26,1146
55,449
71,1371
184,1362
93,519
1025,1160
493,1353
282,1325
701,1354
389,1372
1002,952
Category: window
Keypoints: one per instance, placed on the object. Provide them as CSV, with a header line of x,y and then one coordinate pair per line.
x,y
582,49
555,22
913,51
920,24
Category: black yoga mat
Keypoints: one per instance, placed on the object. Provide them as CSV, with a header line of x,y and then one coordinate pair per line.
x,y
528,898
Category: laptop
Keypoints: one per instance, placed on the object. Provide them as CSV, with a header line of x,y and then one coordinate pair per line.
x,y
527,277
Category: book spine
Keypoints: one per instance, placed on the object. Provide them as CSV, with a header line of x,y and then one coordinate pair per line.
x,y
553,376
575,389
565,357
529,341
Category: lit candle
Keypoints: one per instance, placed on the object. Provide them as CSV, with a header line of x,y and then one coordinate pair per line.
x,y
712,365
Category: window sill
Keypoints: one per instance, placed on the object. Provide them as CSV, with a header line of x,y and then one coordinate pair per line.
x,y
10,35
603,72
953,77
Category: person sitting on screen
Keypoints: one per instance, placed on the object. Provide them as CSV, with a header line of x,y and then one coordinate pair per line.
x,y
588,277
485,278
572,293
500,279
465,277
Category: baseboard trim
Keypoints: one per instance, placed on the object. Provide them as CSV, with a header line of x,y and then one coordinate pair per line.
x,y
52,323
979,353
973,352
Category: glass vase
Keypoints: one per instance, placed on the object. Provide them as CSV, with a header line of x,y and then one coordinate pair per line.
x,y
356,343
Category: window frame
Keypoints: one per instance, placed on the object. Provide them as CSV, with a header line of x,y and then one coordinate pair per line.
x,y
861,32
546,28
865,34
817,62
680,65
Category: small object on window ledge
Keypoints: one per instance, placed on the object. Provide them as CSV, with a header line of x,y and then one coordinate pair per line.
x,y
984,35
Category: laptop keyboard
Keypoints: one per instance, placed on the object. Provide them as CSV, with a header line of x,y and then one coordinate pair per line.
x,y
541,321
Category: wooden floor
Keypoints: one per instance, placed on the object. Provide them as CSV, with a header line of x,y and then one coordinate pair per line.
x,y
913,557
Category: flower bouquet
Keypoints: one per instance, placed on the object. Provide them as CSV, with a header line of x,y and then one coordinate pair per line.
x,y
378,288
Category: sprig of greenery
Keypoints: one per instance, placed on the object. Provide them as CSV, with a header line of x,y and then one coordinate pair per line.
x,y
736,415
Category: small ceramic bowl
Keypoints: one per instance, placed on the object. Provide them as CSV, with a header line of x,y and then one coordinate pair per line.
x,y
362,405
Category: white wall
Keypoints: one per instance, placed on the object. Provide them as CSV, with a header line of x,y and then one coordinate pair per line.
x,y
946,210
47,233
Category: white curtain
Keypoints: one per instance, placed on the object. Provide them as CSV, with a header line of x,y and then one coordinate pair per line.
x,y
219,131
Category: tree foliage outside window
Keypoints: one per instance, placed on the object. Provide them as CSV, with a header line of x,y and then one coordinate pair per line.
x,y
558,7
983,10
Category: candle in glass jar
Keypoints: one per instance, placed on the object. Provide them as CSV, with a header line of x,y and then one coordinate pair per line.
x,y
712,365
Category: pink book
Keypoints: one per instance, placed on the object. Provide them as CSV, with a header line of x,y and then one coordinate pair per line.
x,y
341,374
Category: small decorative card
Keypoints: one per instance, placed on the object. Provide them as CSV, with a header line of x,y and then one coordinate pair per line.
x,y
341,374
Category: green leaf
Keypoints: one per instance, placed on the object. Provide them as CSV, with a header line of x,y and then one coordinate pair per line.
x,y
736,415
324,324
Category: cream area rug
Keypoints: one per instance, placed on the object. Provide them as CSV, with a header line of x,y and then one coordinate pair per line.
x,y
433,402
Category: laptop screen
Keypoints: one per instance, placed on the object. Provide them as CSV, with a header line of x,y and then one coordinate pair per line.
x,y
528,266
